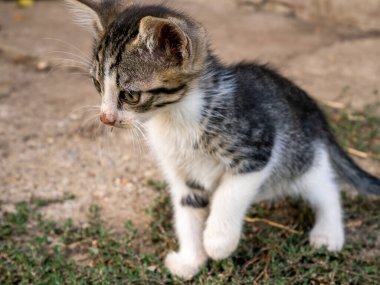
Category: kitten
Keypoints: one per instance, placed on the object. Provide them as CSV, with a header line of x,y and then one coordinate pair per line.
x,y
225,136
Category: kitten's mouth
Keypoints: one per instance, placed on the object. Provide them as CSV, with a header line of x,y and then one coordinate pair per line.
x,y
122,125
119,124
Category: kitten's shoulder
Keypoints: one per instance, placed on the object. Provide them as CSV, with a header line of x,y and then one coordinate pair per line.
x,y
265,80
262,85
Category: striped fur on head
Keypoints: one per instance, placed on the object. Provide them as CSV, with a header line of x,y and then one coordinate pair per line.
x,y
152,52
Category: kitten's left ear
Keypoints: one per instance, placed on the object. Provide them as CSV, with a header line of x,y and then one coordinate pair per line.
x,y
165,39
95,15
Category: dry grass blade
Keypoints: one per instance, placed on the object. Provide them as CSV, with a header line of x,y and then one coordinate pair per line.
x,y
252,261
10,261
264,274
354,223
356,118
357,153
334,105
273,224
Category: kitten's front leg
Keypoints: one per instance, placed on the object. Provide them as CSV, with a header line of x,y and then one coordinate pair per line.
x,y
228,208
189,222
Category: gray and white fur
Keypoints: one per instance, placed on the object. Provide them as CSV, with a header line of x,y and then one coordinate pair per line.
x,y
225,136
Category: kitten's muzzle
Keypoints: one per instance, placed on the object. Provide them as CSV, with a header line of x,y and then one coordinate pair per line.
x,y
108,119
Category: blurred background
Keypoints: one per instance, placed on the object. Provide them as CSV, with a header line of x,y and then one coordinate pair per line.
x,y
52,145
60,166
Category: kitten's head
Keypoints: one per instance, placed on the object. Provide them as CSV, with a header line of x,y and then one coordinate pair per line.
x,y
145,58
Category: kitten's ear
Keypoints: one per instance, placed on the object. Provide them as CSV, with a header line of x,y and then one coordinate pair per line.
x,y
86,13
165,39
95,15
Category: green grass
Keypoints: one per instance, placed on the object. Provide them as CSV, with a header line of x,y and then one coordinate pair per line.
x,y
35,250
359,130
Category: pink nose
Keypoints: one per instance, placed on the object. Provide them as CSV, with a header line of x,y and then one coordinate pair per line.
x,y
108,119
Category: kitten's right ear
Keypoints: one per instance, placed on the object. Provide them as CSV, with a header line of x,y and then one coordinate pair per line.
x,y
87,14
96,15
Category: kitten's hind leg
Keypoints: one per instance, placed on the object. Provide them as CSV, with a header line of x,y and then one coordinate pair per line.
x,y
322,192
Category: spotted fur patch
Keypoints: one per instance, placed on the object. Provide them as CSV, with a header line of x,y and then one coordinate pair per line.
x,y
194,201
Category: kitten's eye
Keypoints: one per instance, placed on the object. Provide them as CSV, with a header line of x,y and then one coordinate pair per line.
x,y
130,97
97,85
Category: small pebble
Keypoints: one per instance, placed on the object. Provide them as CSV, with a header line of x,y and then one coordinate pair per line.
x,y
74,117
5,90
42,65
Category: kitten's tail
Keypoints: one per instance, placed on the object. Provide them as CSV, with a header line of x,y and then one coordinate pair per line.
x,y
351,172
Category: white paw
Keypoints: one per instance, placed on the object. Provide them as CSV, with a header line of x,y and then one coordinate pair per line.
x,y
178,265
331,238
220,245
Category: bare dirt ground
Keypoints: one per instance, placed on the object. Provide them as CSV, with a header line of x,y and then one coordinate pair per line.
x,y
51,143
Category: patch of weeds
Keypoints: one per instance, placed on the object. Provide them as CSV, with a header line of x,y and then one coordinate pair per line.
x,y
39,251
42,202
34,250
270,255
15,223
157,184
359,130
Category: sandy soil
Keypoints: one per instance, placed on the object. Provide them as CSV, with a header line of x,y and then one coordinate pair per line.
x,y
51,142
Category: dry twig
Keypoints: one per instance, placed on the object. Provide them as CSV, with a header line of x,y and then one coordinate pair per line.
x,y
357,153
334,105
273,224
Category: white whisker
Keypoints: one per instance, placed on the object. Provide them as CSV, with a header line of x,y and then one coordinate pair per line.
x,y
96,107
83,59
130,130
137,140
80,74
65,66
87,121
69,45
139,127
69,60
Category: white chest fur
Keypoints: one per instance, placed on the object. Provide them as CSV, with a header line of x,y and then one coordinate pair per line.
x,y
173,134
